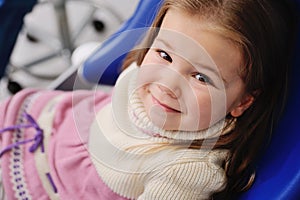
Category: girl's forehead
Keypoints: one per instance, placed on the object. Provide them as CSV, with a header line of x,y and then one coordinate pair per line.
x,y
177,34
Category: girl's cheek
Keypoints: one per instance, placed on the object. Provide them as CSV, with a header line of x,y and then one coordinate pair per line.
x,y
208,108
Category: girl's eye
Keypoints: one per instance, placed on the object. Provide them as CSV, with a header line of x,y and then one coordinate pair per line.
x,y
202,78
164,55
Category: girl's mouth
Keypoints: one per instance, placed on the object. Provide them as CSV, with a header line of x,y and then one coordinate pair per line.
x,y
164,106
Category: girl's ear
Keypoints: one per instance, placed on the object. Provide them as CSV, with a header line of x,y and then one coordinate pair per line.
x,y
244,104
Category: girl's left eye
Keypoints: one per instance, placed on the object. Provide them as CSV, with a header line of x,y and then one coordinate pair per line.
x,y
202,78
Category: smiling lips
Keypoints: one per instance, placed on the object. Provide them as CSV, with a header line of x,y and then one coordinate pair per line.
x,y
164,106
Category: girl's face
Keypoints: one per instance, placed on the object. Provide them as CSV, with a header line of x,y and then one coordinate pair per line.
x,y
189,79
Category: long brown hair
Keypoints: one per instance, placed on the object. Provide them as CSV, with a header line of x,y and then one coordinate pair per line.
x,y
261,29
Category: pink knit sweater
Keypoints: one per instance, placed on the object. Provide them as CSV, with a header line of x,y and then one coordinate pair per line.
x,y
56,154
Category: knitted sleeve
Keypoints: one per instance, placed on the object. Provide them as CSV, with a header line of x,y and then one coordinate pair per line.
x,y
186,180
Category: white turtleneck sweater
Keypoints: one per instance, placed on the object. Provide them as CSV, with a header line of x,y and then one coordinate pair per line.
x,y
140,161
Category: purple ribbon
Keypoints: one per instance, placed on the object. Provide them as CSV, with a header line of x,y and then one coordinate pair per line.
x,y
37,139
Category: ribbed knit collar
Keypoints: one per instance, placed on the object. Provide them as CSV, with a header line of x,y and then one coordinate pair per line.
x,y
126,100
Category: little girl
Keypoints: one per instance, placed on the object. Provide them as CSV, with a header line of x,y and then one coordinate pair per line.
x,y
186,119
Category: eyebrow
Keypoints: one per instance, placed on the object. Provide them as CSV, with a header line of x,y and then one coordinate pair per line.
x,y
195,64
164,43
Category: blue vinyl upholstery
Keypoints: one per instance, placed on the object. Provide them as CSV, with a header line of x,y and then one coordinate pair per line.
x,y
278,173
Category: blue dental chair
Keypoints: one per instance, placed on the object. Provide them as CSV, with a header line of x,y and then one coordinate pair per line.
x,y
278,173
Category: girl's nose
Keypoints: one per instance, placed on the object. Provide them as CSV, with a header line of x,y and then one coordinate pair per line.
x,y
170,84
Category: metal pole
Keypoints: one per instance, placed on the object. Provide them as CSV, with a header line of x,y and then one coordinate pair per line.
x,y
62,20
